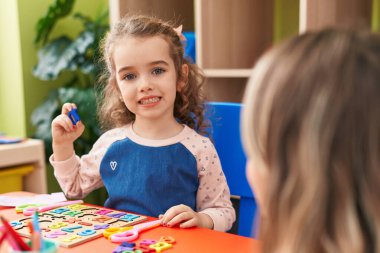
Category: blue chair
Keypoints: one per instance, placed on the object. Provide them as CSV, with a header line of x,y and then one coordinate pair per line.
x,y
225,132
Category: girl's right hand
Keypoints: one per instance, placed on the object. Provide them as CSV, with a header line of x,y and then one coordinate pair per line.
x,y
63,130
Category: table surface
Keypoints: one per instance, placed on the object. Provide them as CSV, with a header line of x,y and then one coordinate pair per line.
x,y
197,240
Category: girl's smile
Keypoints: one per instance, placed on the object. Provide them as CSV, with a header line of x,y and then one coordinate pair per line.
x,y
149,101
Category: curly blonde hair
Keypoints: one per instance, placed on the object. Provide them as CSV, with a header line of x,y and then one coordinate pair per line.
x,y
189,102
312,116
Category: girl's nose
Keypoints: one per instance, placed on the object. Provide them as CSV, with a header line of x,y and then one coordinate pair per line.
x,y
145,85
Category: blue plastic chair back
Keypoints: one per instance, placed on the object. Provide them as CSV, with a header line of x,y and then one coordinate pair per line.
x,y
225,132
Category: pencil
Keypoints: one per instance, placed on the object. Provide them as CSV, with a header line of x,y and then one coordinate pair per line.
x,y
30,226
36,241
2,237
13,235
10,240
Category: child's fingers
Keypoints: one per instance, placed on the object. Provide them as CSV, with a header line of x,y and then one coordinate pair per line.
x,y
63,122
76,130
179,218
79,128
68,107
174,211
170,213
189,223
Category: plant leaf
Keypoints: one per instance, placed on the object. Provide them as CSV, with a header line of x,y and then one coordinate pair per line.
x,y
62,54
79,56
56,11
43,115
52,59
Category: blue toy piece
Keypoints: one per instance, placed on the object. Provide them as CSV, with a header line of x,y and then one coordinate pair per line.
x,y
73,116
225,132
189,53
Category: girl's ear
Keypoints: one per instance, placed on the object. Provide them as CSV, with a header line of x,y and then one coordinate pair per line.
x,y
185,77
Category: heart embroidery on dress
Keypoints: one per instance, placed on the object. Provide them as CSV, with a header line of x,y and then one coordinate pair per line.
x,y
113,165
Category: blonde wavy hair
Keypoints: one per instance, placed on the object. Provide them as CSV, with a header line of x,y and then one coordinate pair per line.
x,y
189,103
312,115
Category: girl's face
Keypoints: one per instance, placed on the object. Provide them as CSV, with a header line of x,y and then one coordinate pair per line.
x,y
146,77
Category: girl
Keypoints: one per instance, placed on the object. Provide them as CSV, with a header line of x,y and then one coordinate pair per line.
x,y
311,128
152,161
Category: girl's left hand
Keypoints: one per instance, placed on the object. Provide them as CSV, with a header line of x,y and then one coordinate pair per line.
x,y
185,217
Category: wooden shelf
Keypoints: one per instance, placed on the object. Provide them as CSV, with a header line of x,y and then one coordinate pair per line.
x,y
232,35
318,14
227,73
182,12
27,152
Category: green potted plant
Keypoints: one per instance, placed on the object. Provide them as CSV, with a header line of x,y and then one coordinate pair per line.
x,y
79,57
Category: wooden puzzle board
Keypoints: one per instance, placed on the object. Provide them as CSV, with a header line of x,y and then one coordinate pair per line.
x,y
75,224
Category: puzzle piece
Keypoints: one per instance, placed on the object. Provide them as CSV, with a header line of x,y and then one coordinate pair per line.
x,y
73,116
77,223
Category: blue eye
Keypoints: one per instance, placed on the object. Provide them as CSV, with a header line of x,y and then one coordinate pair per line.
x,y
158,71
129,77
